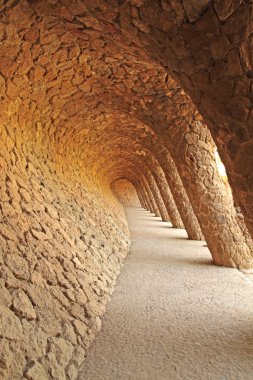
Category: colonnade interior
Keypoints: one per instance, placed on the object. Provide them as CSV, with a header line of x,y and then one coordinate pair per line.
x,y
104,104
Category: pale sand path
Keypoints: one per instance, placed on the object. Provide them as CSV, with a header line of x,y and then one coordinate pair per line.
x,y
173,315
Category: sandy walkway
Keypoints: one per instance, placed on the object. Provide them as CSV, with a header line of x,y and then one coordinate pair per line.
x,y
173,315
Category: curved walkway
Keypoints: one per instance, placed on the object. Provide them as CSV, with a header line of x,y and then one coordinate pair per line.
x,y
173,315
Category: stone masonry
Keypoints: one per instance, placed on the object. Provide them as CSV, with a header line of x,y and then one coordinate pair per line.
x,y
106,104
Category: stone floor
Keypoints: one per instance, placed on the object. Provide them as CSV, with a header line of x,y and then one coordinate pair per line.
x,y
173,314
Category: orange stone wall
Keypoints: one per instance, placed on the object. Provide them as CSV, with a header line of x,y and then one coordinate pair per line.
x,y
62,246
126,193
97,90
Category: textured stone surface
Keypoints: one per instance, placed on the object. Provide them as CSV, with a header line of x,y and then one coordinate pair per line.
x,y
126,193
57,269
96,91
10,326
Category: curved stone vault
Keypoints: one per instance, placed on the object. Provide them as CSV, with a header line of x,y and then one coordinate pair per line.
x,y
98,97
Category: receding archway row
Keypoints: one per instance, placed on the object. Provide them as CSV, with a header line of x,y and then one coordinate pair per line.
x,y
88,50
213,204
192,148
88,96
204,45
197,42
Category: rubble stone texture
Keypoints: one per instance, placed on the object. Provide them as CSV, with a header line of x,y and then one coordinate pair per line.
x,y
126,193
97,91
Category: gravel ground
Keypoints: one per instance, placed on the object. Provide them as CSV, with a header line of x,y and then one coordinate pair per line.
x,y
173,315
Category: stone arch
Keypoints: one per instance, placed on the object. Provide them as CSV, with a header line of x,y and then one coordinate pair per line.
x,y
169,79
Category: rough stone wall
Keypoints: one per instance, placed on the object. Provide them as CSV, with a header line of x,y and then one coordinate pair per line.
x,y
61,251
92,91
126,193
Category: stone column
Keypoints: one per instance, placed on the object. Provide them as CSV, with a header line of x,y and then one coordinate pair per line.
x,y
141,199
146,203
193,149
153,205
169,171
167,197
145,195
157,196
140,196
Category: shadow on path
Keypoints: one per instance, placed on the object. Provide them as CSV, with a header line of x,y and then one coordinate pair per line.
x,y
173,315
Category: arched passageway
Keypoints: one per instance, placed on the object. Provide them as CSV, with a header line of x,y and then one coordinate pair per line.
x,y
93,93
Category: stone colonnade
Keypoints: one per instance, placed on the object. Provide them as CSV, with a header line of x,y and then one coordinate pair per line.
x,y
94,94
